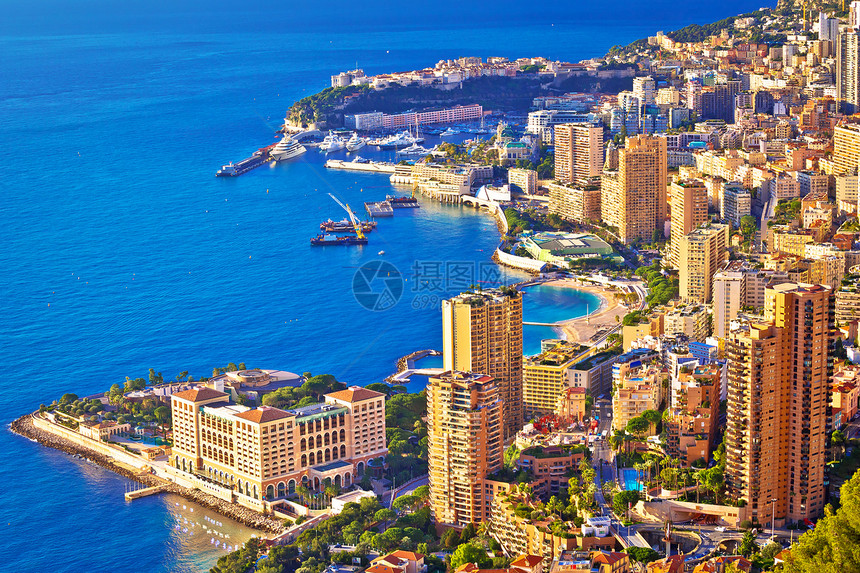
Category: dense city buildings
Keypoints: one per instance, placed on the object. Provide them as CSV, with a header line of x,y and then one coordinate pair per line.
x,y
482,332
464,422
779,376
265,453
633,197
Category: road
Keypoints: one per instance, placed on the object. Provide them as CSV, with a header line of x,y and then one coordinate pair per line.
x,y
603,410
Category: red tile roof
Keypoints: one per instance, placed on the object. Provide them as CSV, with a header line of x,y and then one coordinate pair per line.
x,y
200,394
261,415
526,561
355,394
410,555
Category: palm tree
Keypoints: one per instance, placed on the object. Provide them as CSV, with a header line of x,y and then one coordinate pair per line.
x,y
303,492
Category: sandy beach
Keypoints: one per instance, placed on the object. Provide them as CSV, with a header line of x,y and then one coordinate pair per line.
x,y
607,316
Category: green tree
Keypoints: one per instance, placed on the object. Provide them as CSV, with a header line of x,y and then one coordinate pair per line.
x,y
638,426
451,538
384,516
422,492
834,545
621,499
748,546
837,441
512,454
771,550
468,533
643,555
162,414
406,502
468,553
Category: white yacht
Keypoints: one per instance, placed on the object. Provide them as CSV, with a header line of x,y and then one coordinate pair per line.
x,y
414,150
332,143
448,132
287,148
355,143
398,140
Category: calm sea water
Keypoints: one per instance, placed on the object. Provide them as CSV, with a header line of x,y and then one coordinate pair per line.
x,y
121,251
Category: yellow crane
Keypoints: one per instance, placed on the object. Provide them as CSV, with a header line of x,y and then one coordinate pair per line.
x,y
356,222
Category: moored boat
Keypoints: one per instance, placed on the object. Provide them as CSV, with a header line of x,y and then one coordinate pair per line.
x,y
326,239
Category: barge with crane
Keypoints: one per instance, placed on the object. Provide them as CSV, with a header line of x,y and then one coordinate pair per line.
x,y
326,238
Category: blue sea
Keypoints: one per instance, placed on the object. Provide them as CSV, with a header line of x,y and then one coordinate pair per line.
x,y
121,251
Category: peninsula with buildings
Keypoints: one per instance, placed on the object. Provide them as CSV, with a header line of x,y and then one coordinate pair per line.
x,y
704,419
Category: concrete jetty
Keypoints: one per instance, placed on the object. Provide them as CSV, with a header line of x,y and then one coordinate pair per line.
x,y
138,493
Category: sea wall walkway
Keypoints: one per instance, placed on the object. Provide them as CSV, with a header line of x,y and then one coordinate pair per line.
x,y
129,466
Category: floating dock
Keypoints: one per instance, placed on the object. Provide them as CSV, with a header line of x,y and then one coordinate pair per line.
x,y
379,209
260,157
370,167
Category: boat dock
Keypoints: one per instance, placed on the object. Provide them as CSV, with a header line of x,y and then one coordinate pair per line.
x,y
260,157
379,209
370,167
138,493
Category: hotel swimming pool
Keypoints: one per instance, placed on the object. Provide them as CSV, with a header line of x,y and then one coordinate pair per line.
x,y
630,479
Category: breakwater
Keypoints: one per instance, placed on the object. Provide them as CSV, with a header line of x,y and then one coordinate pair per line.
x,y
26,426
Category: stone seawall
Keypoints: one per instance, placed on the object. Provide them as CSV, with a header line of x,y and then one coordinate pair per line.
x,y
26,426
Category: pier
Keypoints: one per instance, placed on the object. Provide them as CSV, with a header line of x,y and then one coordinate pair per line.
x,y
138,493
371,167
379,209
260,157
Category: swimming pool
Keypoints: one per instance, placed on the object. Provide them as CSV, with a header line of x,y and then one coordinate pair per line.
x,y
630,479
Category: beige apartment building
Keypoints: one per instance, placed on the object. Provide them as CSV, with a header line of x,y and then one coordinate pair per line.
x,y
778,413
265,453
525,179
848,301
464,425
640,389
482,332
702,253
633,198
738,285
578,151
545,378
846,148
578,202
691,420
689,209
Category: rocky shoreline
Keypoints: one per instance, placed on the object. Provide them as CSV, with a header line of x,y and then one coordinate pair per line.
x,y
24,426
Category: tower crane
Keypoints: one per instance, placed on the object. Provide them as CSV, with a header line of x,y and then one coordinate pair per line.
x,y
355,220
